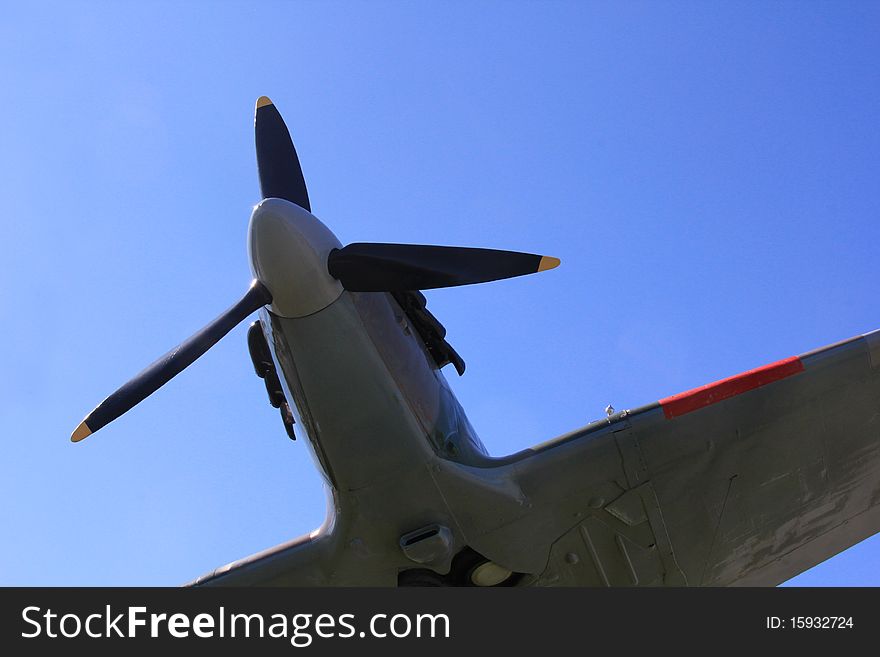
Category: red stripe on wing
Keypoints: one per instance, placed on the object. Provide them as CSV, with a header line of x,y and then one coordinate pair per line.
x,y
692,400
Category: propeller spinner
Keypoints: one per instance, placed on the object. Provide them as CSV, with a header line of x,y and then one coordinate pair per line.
x,y
300,267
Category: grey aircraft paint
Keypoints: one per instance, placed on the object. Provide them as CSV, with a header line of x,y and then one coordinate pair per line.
x,y
750,489
746,481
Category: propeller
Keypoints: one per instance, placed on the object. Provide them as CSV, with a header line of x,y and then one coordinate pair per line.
x,y
367,267
280,177
171,364
280,173
359,267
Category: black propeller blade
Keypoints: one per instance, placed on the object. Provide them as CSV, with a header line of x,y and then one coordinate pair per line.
x,y
280,173
368,267
361,267
172,363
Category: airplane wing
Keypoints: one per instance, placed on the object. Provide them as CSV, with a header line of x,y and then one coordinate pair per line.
x,y
299,562
746,481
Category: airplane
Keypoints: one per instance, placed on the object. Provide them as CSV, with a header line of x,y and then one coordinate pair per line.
x,y
746,481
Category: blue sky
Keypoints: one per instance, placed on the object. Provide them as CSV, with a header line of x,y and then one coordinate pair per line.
x,y
707,172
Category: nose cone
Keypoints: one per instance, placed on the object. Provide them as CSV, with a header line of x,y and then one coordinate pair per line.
x,y
288,249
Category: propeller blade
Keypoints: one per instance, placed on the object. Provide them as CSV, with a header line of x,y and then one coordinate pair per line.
x,y
280,173
369,267
172,363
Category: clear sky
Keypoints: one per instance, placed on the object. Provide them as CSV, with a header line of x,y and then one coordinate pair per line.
x,y
707,172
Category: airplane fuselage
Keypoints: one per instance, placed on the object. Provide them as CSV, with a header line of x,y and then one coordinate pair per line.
x,y
369,401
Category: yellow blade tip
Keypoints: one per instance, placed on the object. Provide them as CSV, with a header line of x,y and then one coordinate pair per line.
x,y
262,101
548,262
81,432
